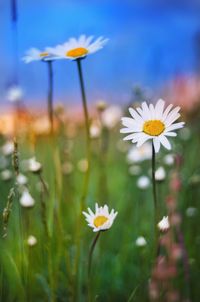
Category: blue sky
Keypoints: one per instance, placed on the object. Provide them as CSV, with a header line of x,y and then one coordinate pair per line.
x,y
150,42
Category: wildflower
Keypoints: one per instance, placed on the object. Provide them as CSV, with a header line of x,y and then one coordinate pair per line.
x,y
111,116
136,155
34,166
21,179
152,122
95,130
14,94
83,165
6,175
134,170
77,48
101,220
191,211
7,148
169,159
67,168
35,54
164,225
140,241
32,240
101,105
160,174
26,200
143,182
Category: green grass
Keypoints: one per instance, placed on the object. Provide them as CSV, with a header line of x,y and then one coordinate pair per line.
x,y
121,270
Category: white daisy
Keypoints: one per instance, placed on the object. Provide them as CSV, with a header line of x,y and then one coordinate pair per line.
x,y
160,174
32,240
100,220
34,54
77,48
8,148
34,166
111,116
152,122
26,200
143,182
14,94
136,155
21,179
140,241
164,225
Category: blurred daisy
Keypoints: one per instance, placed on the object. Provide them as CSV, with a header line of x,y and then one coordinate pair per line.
x,y
32,240
134,170
6,175
136,155
140,241
34,54
160,174
77,48
169,159
21,179
95,130
143,182
164,225
191,211
26,200
83,165
101,220
14,94
8,148
152,122
34,166
111,116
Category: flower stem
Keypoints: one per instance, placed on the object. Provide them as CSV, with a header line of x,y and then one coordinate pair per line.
x,y
50,95
86,179
154,193
87,127
90,261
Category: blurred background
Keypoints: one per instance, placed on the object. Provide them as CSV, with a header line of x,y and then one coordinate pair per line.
x,y
153,43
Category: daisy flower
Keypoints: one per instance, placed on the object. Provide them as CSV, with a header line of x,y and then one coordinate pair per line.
x,y
101,220
164,225
152,122
77,48
34,54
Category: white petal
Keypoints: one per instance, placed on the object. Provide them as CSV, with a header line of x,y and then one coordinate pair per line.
x,y
152,110
159,109
129,137
142,140
165,113
170,134
165,142
146,110
135,115
175,126
156,144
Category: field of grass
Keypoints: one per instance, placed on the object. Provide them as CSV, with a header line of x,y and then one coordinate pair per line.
x,y
55,267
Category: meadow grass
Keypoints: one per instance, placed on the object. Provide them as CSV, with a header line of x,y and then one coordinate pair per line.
x,y
121,270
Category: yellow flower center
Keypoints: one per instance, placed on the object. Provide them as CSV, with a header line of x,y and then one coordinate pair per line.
x,y
153,127
44,54
77,52
99,221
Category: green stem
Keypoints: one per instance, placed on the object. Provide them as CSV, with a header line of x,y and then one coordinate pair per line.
x,y
90,262
87,127
154,193
50,94
86,178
